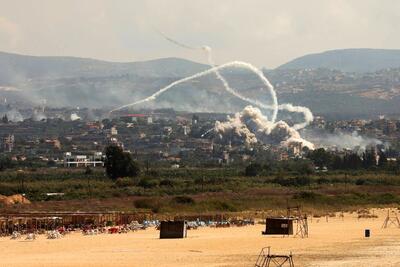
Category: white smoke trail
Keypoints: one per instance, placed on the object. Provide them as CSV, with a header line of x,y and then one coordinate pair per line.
x,y
238,95
233,64
308,116
237,124
226,85
207,132
175,42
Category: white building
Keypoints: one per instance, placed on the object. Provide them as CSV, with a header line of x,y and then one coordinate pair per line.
x,y
95,160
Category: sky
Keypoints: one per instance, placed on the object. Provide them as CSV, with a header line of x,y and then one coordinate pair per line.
x,y
262,32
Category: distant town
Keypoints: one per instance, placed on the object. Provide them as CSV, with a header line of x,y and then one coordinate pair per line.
x,y
72,138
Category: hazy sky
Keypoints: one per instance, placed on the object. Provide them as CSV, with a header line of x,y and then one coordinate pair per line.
x,y
262,32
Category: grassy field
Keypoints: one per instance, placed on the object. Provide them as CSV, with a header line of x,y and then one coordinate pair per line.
x,y
200,190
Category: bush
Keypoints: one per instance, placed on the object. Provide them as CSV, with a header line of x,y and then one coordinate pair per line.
x,y
302,181
298,181
149,203
386,198
147,183
307,196
323,180
361,181
167,183
88,171
224,206
125,182
183,200
253,169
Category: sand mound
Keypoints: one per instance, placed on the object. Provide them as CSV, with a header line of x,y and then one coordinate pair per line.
x,y
14,199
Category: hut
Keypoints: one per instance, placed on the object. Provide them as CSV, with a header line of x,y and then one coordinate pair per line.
x,y
278,226
173,229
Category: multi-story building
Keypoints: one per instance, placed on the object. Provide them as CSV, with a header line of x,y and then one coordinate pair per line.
x,y
8,143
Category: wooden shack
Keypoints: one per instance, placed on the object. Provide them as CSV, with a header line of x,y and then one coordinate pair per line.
x,y
173,229
278,226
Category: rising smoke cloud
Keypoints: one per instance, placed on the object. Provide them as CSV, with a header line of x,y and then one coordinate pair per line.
x,y
342,140
250,124
74,117
14,115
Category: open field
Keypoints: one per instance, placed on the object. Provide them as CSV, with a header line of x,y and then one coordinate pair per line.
x,y
210,190
334,243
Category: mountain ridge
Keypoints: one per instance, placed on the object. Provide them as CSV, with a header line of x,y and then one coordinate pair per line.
x,y
16,68
348,60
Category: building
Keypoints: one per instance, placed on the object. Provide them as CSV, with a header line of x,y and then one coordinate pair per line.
x,y
8,143
95,160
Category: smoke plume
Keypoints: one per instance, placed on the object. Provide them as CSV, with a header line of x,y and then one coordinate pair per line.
x,y
252,126
342,140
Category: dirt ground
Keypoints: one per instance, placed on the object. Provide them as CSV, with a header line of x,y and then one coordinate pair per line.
x,y
336,242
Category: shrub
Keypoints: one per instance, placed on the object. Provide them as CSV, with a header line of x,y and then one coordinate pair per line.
x,y
361,181
298,181
167,183
253,169
307,196
125,182
386,198
183,200
147,183
148,203
220,205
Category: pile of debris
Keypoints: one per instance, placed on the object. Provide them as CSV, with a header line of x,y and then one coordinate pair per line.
x,y
14,199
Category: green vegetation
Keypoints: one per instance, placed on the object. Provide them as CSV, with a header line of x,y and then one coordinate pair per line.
x,y
223,189
119,163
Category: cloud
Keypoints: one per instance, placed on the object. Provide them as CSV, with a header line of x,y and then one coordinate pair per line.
x,y
10,33
264,32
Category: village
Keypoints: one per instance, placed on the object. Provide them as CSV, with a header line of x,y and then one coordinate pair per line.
x,y
171,138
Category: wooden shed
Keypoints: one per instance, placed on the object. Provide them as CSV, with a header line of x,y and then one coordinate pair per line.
x,y
173,229
278,226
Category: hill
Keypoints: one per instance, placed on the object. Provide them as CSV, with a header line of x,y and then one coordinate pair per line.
x,y
16,68
348,60
83,82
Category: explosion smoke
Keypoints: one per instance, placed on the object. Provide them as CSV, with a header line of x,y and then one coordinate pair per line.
x,y
262,127
38,115
75,117
252,126
342,140
14,115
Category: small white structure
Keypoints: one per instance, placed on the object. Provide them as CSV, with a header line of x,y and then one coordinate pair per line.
x,y
94,160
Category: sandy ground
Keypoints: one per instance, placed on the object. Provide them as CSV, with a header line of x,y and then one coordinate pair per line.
x,y
334,243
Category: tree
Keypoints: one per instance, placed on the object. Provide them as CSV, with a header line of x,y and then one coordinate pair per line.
x,y
382,162
6,163
119,163
305,167
320,157
337,163
352,162
369,159
4,119
253,169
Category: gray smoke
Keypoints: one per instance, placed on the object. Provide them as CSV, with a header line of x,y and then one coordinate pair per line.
x,y
341,140
38,115
14,115
74,117
252,126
